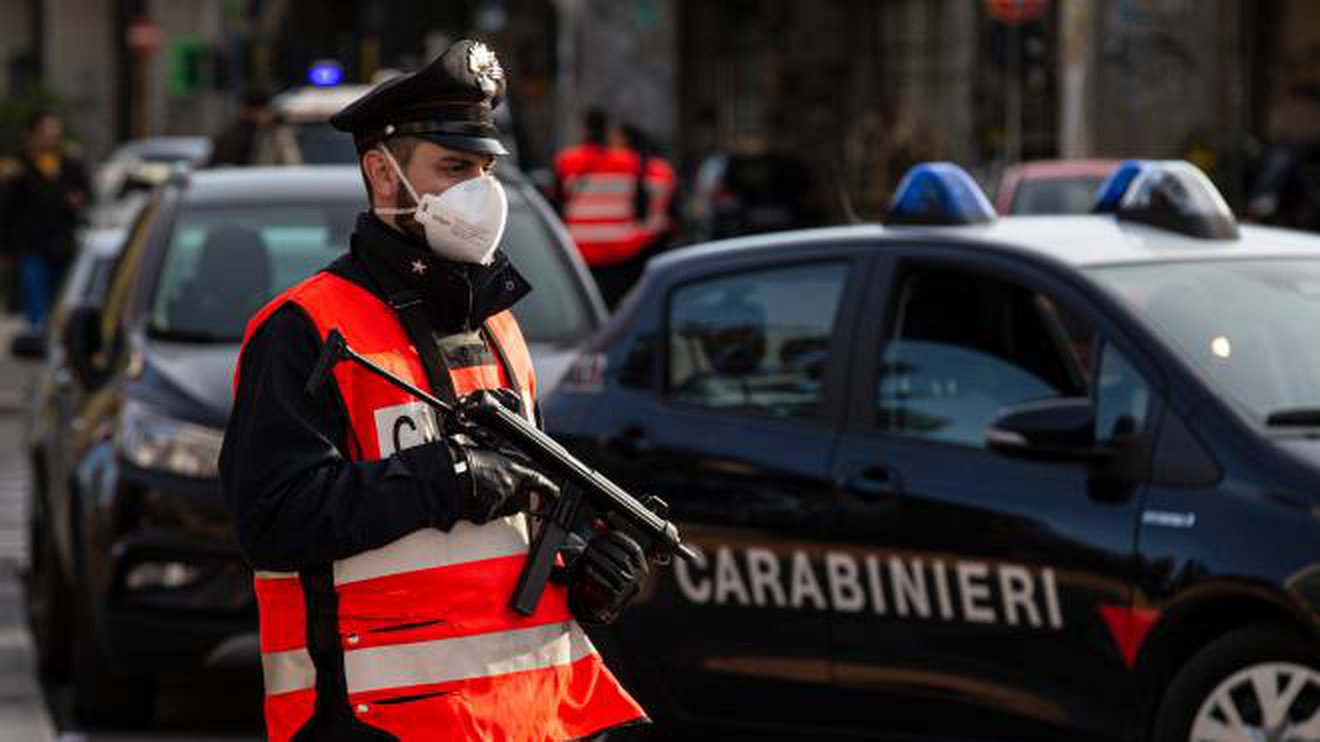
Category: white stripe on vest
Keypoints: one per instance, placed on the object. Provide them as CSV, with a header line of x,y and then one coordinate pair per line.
x,y
482,655
288,671
429,548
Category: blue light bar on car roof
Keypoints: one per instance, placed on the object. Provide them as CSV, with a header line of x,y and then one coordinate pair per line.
x,y
939,193
1175,195
325,73
1111,192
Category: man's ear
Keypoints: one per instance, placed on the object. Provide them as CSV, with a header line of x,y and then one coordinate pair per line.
x,y
384,181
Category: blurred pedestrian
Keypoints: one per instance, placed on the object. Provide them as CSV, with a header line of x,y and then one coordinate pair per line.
x,y
237,144
654,199
596,185
46,193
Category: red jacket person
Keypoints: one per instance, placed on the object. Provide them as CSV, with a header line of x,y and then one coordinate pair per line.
x,y
385,549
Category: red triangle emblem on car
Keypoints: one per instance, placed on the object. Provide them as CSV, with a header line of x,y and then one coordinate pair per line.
x,y
1129,627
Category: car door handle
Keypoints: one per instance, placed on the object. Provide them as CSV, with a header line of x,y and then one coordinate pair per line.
x,y
630,441
874,483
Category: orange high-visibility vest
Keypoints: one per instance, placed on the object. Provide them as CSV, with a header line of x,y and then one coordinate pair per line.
x,y
598,185
660,183
431,649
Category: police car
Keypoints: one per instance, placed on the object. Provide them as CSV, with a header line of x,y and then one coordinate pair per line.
x,y
303,135
968,477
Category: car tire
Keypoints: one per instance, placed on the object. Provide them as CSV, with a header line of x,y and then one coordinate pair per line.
x,y
102,698
1221,687
49,600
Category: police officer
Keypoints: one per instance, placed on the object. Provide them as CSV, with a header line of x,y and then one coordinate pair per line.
x,y
386,550
597,183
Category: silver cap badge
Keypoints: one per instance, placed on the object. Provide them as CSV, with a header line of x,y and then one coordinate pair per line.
x,y
483,64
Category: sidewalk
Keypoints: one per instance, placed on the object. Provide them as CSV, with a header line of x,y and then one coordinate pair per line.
x,y
23,714
14,375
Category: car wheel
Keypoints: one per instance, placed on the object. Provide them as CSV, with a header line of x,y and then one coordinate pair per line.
x,y
101,697
1256,683
49,601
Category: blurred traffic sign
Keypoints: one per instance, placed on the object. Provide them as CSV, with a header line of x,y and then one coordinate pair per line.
x,y
1015,12
143,35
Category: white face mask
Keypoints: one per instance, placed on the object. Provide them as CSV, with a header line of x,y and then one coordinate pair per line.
x,y
463,224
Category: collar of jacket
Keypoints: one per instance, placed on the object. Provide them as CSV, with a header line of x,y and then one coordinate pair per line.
x,y
458,296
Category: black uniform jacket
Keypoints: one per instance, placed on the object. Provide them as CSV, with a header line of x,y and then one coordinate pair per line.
x,y
297,500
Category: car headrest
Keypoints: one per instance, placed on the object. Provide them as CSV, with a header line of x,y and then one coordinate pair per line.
x,y
735,339
235,258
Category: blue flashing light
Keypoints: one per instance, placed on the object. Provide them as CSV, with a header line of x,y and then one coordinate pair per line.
x,y
1111,192
1175,195
939,193
325,74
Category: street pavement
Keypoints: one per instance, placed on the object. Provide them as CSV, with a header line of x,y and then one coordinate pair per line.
x,y
23,714
218,708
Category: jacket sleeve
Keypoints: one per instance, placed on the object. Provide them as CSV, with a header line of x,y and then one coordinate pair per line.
x,y
295,498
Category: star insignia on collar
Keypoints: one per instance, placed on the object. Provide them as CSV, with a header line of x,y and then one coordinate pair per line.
x,y
419,267
485,67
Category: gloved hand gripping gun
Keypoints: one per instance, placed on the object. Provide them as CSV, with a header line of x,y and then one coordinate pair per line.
x,y
585,495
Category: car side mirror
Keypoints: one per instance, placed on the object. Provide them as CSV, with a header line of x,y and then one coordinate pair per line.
x,y
1060,430
82,341
29,345
144,176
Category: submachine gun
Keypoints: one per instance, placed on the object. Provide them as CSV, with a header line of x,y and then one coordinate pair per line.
x,y
585,495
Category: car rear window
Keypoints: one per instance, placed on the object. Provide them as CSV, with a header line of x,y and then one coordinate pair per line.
x,y
321,144
1074,195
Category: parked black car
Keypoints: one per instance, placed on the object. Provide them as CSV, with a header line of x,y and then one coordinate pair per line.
x,y
1045,478
736,195
134,564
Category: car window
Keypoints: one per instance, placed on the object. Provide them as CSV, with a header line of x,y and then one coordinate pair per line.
x,y
98,279
223,264
1122,398
966,346
1075,195
322,144
756,340
555,311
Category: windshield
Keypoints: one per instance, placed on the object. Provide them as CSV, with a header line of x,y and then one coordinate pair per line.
x,y
223,264
1249,326
555,311
322,144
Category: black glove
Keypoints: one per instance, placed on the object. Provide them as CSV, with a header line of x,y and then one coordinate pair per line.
x,y
498,484
606,577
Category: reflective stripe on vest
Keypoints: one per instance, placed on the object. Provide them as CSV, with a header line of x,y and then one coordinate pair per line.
x,y
430,609
439,661
288,671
